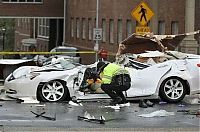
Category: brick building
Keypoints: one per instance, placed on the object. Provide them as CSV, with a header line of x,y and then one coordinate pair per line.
x,y
71,22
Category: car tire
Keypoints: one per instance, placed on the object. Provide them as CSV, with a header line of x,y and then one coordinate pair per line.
x,y
172,90
53,91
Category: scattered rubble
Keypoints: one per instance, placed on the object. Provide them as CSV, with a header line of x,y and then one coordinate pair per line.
x,y
46,117
159,113
75,103
192,99
87,117
190,112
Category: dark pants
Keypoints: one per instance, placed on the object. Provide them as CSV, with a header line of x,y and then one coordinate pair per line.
x,y
115,91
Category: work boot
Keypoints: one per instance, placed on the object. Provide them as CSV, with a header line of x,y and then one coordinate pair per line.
x,y
115,101
148,103
121,95
142,104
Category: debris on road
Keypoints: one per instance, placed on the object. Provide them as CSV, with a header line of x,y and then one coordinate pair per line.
x,y
181,105
117,107
162,102
159,113
87,117
75,104
46,117
3,96
191,112
193,99
91,120
28,100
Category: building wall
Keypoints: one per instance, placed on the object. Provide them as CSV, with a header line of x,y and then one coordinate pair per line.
x,y
172,10
197,20
23,30
78,10
108,9
49,8
166,10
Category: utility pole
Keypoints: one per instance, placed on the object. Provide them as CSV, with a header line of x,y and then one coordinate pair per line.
x,y
96,47
64,26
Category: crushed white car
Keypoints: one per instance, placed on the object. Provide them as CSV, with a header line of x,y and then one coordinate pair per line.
x,y
170,80
170,75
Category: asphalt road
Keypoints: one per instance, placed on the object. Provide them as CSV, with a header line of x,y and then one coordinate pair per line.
x,y
15,116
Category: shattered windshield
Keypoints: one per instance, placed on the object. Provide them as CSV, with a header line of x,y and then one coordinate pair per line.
x,y
61,63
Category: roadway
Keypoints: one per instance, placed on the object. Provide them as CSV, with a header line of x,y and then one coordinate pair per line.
x,y
16,116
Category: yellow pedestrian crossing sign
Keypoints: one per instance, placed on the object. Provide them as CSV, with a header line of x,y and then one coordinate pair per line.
x,y
142,13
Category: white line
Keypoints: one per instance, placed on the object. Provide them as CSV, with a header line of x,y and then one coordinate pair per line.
x,y
191,124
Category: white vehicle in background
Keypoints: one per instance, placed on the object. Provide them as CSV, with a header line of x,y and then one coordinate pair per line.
x,y
68,53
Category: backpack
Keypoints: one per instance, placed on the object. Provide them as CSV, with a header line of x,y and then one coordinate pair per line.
x,y
121,80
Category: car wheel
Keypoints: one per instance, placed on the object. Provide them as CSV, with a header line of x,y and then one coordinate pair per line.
x,y
53,91
172,90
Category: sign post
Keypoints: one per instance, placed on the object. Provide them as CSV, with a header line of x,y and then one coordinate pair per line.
x,y
97,34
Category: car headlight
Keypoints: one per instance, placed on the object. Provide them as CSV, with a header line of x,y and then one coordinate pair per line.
x,y
11,78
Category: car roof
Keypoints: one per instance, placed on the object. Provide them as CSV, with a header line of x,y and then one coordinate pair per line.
x,y
65,47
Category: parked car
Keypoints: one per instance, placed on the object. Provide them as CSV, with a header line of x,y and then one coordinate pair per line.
x,y
68,53
170,79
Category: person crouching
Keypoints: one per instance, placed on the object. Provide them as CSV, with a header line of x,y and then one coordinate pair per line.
x,y
115,80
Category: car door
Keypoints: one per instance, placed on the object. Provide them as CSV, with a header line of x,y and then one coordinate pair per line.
x,y
144,82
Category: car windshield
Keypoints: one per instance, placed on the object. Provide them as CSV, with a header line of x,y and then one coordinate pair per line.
x,y
60,63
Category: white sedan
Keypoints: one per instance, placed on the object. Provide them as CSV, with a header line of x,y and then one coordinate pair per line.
x,y
170,79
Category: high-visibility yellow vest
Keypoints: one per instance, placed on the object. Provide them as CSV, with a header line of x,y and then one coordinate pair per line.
x,y
111,70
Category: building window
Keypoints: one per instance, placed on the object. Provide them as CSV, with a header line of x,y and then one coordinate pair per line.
x,y
72,27
90,29
43,28
111,30
174,27
104,30
129,28
161,27
119,31
22,1
77,28
83,28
